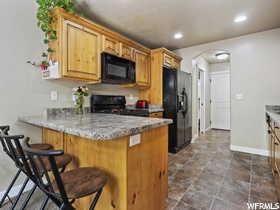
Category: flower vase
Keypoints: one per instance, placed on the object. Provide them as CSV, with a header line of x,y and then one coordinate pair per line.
x,y
79,104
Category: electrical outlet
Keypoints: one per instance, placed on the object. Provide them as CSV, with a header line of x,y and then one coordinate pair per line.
x,y
239,96
54,95
134,140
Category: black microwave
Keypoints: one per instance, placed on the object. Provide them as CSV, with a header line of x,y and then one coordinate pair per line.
x,y
116,70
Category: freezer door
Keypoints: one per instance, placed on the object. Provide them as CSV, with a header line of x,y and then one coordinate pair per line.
x,y
169,93
170,104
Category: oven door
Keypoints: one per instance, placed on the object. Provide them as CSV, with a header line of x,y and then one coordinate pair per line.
x,y
117,70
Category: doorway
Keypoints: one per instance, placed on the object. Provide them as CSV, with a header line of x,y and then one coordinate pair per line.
x,y
201,101
220,100
211,91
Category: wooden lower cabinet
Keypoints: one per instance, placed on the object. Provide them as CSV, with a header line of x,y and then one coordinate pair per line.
x,y
137,175
156,115
274,153
54,138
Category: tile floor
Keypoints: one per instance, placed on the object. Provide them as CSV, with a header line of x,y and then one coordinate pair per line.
x,y
207,175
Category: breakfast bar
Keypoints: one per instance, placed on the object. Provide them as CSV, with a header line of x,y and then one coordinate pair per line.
x,y
132,150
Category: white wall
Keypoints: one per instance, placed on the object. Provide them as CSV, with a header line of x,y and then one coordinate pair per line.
x,y
255,63
22,90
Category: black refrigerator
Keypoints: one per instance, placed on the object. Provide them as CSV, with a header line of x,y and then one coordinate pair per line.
x,y
177,86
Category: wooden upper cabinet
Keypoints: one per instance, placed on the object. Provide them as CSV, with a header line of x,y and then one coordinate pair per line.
x,y
167,60
142,68
81,52
176,64
110,45
171,62
127,52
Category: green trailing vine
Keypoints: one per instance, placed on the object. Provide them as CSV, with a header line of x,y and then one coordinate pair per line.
x,y
45,21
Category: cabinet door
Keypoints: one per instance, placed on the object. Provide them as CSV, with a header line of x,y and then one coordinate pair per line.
x,y
142,68
110,45
127,52
167,60
81,52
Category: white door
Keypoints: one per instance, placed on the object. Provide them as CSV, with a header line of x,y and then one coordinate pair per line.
x,y
220,100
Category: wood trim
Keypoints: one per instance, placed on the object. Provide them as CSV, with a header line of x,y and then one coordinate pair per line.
x,y
168,52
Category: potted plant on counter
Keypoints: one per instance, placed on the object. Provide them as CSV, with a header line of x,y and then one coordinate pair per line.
x,y
78,96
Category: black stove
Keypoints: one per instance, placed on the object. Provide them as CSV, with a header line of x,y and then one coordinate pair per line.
x,y
114,105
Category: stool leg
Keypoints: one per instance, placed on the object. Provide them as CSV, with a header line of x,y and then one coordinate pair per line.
x,y
94,202
28,197
20,192
44,204
10,187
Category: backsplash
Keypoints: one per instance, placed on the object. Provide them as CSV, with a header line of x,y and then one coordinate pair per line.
x,y
131,94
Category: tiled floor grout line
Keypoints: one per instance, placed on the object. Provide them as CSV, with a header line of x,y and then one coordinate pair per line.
x,y
216,195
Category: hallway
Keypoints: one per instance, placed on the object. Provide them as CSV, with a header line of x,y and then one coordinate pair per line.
x,y
207,175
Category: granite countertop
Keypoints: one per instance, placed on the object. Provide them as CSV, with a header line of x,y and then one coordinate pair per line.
x,y
274,112
152,108
95,126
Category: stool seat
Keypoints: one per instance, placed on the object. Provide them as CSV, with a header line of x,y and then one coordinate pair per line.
x,y
41,146
81,182
61,161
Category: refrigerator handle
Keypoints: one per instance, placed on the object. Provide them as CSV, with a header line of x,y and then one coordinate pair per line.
x,y
177,103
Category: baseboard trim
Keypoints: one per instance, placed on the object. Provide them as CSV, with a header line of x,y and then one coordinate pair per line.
x,y
15,190
249,150
194,138
207,129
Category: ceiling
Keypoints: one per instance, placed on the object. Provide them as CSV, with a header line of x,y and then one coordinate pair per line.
x,y
154,22
210,56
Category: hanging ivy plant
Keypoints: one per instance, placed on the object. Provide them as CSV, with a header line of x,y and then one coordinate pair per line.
x,y
45,21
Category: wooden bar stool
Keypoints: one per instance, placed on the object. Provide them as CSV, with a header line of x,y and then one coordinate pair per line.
x,y
12,146
4,130
66,186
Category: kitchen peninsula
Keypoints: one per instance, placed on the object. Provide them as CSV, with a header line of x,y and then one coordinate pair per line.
x,y
132,150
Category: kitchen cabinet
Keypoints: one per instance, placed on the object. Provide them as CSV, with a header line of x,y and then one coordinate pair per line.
x,y
142,68
78,48
156,115
81,52
160,58
54,138
110,45
167,61
127,52
274,152
137,175
171,62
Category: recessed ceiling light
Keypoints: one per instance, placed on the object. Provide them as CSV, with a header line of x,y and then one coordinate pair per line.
x,y
222,56
178,35
240,18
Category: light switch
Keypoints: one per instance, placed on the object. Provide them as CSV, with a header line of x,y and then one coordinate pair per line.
x,y
239,96
54,95
134,140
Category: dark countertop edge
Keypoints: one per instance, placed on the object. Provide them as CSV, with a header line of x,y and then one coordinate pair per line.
x,y
130,132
